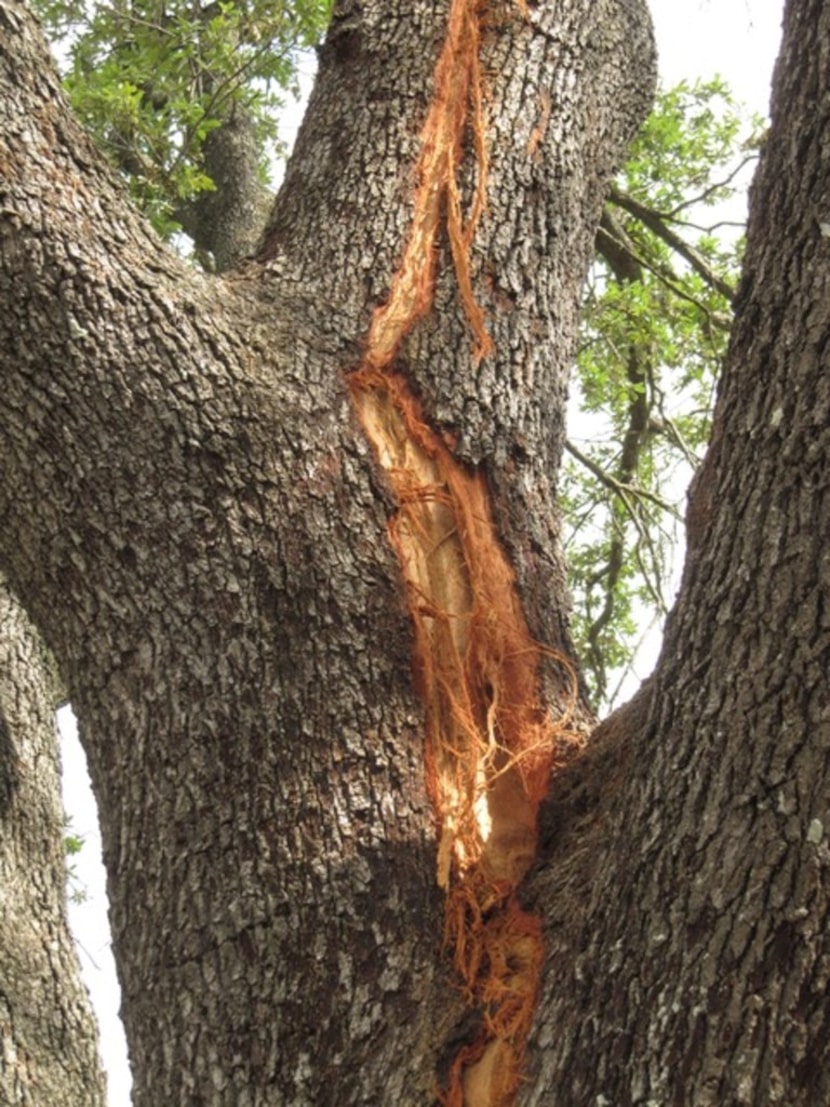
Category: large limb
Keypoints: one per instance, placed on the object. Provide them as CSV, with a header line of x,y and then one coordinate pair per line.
x,y
48,1044
202,533
687,886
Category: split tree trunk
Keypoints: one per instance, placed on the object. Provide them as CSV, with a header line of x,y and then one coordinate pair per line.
x,y
195,522
201,534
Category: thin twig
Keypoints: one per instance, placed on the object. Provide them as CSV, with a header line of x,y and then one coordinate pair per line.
x,y
620,488
657,223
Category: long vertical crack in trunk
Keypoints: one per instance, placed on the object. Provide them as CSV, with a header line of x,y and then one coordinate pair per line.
x,y
491,744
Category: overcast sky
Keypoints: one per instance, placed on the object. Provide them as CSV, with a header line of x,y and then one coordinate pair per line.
x,y
737,39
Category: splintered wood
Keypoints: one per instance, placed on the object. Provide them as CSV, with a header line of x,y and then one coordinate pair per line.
x,y
490,744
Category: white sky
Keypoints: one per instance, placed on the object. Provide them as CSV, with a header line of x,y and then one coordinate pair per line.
x,y
737,39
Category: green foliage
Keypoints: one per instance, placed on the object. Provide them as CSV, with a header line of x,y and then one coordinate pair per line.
x,y
150,79
72,845
655,325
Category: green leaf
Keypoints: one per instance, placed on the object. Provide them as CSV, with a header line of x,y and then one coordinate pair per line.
x,y
652,339
150,79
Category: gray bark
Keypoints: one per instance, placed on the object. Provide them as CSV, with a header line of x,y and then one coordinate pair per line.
x,y
227,223
48,1042
202,538
686,887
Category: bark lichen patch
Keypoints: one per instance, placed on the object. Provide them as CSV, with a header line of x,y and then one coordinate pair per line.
x,y
491,744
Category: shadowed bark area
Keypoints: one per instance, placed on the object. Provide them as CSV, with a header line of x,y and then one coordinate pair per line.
x,y
690,912
48,1043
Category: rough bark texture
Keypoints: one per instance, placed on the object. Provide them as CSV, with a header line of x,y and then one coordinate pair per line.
x,y
192,518
566,87
688,910
227,223
48,1044
201,536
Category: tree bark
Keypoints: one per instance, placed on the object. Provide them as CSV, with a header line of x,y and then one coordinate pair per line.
x,y
686,887
226,224
48,1043
196,524
201,536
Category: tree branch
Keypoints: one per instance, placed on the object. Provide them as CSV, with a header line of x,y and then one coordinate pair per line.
x,y
620,488
658,225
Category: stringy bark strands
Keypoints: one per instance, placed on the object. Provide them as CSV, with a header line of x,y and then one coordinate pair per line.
x,y
490,745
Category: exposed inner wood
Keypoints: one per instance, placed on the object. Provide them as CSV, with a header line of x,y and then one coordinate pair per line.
x,y
490,744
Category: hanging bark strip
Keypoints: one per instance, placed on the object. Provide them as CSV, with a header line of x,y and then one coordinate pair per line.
x,y
491,745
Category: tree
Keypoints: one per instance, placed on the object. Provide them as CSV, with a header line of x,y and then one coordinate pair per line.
x,y
196,524
184,98
654,323
184,103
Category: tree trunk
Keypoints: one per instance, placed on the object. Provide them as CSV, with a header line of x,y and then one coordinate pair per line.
x,y
202,536
48,1044
199,528
685,891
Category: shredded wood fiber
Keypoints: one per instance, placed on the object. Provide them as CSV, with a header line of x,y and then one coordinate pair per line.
x,y
491,745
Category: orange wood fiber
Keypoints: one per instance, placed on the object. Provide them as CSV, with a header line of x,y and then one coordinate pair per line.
x,y
490,744
456,103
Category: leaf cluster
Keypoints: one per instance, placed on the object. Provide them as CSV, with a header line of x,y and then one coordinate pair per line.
x,y
655,324
72,845
150,80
